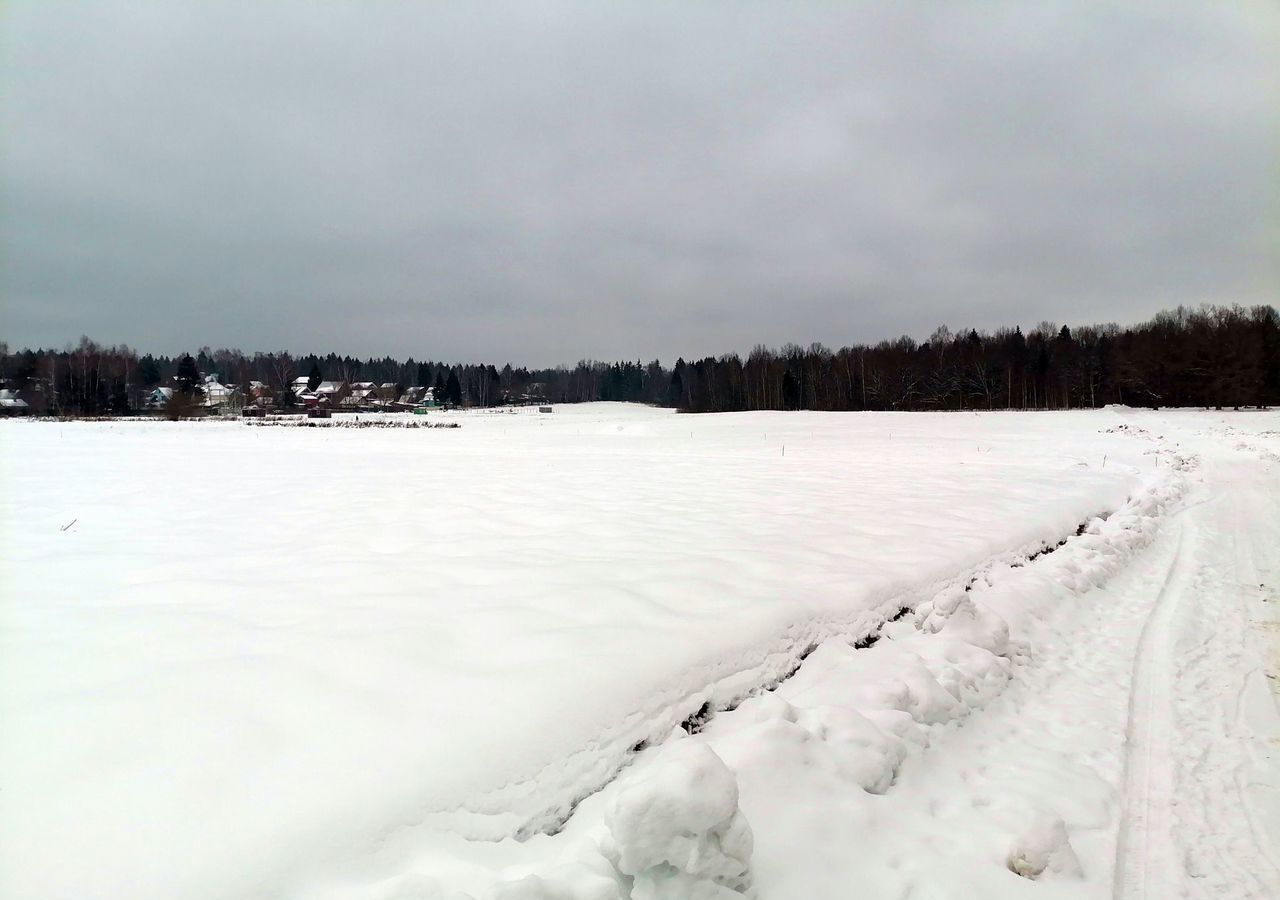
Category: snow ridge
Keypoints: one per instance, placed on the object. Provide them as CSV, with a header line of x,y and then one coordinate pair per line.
x,y
855,710
543,804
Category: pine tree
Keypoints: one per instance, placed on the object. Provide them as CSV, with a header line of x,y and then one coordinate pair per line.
x,y
675,390
454,389
188,376
148,371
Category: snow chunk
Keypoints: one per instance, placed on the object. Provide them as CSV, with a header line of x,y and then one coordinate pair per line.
x,y
964,620
865,753
677,830
1043,846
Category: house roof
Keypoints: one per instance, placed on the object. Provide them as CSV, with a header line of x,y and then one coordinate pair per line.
x,y
330,387
216,394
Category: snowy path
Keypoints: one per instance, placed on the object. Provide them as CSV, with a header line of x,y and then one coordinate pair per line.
x,y
1144,713
1223,714
1144,863
1049,750
1144,719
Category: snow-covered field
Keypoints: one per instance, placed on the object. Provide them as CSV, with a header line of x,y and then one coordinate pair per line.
x,y
246,661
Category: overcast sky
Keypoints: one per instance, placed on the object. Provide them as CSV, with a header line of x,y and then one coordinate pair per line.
x,y
546,182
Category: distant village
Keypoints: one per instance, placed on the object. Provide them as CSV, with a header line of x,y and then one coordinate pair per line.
x,y
209,396
92,380
316,399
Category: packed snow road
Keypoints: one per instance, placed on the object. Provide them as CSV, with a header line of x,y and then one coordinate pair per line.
x,y
287,663
1201,793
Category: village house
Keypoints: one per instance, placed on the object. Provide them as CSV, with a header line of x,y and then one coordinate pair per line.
x,y
332,393
363,393
412,396
13,405
219,397
418,397
159,398
35,398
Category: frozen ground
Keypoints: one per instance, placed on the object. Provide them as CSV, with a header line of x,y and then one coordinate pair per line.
x,y
273,662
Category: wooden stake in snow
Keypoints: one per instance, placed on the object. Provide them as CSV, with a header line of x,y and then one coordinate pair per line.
x,y
68,525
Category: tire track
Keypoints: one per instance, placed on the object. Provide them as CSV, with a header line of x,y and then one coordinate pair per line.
x,y
1145,857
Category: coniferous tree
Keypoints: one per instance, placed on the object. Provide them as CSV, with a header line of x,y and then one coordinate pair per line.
x,y
675,393
188,378
454,389
148,371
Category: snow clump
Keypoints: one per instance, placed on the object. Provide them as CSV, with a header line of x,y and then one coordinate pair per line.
x,y
1042,847
676,829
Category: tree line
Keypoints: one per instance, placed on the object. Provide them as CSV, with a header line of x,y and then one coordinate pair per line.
x,y
89,378
1212,356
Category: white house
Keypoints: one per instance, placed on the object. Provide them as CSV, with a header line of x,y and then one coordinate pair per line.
x,y
221,396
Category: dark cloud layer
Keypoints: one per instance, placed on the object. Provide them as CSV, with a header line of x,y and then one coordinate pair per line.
x,y
552,181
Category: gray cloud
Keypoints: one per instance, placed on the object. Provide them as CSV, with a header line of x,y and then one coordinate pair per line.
x,y
547,182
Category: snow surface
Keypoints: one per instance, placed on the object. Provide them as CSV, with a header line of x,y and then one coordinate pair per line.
x,y
268,662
